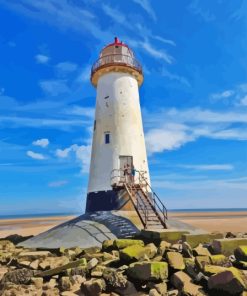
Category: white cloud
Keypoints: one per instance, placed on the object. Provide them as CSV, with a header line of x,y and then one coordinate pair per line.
x,y
81,111
42,59
84,74
166,41
145,4
170,137
223,95
81,153
208,167
243,101
151,50
41,142
58,183
64,68
175,77
35,155
54,87
115,14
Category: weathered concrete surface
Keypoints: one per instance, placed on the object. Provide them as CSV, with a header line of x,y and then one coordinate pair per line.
x,y
91,229
195,239
227,246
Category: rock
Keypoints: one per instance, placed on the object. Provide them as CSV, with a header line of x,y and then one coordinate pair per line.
x,y
196,239
93,287
124,243
79,270
173,293
163,247
6,245
137,252
231,281
16,238
18,276
34,264
129,290
154,292
65,283
161,288
114,278
218,259
47,291
53,262
5,257
92,263
230,235
19,290
163,234
183,282
241,253
52,283
24,263
33,255
37,282
175,260
201,251
3,270
227,246
190,267
148,271
107,245
187,250
70,265
213,269
201,261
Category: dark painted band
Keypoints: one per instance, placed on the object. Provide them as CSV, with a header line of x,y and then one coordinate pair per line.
x,y
102,201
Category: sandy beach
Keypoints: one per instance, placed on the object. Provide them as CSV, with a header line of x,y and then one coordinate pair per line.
x,y
210,221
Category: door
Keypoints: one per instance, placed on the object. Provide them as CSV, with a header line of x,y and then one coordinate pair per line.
x,y
125,162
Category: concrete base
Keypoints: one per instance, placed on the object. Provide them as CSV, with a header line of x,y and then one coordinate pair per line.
x,y
91,229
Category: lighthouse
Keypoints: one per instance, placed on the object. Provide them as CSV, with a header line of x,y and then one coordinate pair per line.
x,y
118,137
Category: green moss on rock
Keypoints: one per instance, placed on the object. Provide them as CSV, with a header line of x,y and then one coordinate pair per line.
x,y
148,271
228,245
241,253
123,243
196,239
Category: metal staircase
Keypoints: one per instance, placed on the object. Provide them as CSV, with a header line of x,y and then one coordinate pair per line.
x,y
149,207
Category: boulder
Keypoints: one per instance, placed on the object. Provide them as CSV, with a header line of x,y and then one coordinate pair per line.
x,y
187,250
124,243
163,247
231,281
218,260
241,253
6,245
107,245
92,263
19,290
70,265
201,251
148,271
153,292
16,238
114,278
93,287
37,282
30,256
175,260
227,246
65,283
183,283
129,290
18,276
201,261
196,239
135,253
213,269
53,262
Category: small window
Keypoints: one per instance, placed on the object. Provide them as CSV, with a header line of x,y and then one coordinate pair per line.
x,y
94,126
107,138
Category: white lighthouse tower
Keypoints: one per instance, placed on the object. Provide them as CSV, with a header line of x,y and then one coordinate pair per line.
x,y
118,140
118,137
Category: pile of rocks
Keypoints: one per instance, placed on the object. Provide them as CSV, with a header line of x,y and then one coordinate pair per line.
x,y
193,265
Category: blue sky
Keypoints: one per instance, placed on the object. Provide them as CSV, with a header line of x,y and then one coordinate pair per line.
x,y
194,98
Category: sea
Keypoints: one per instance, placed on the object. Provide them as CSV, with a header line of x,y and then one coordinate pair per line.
x,y
47,215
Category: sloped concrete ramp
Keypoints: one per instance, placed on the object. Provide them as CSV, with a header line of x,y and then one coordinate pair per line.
x,y
91,229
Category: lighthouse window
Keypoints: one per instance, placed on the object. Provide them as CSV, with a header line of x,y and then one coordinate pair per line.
x,y
107,138
94,125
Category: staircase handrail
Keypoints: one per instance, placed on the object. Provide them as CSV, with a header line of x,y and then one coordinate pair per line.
x,y
160,205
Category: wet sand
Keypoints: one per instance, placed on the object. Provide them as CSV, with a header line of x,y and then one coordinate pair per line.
x,y
210,221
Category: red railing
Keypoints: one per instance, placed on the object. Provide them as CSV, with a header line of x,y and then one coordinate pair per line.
x,y
116,59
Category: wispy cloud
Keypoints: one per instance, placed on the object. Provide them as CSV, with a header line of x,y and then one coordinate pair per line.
x,y
56,184
42,59
65,68
41,142
146,5
175,77
222,95
35,155
54,87
208,167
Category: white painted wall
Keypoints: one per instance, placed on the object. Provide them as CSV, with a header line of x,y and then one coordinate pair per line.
x,y
119,114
